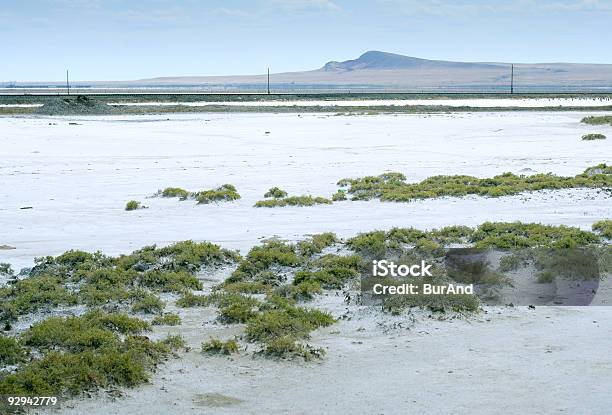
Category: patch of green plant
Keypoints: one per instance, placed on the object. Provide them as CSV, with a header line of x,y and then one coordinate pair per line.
x,y
91,358
304,200
216,346
598,120
235,307
261,258
601,170
174,341
11,351
132,205
166,281
246,287
339,196
224,193
276,193
91,331
316,244
604,227
282,329
175,192
189,299
167,319
393,187
32,294
146,302
303,290
514,235
593,136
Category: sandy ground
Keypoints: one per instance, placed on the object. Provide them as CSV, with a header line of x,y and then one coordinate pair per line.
x,y
77,179
476,103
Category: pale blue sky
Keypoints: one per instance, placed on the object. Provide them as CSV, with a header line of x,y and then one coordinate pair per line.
x,y
122,39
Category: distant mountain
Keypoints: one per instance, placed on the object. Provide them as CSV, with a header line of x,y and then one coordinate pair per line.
x,y
390,71
375,60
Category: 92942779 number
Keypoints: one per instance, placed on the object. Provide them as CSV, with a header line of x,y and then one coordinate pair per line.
x,y
31,400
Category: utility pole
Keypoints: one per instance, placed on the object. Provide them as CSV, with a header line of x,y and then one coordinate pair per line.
x,y
67,83
268,81
512,80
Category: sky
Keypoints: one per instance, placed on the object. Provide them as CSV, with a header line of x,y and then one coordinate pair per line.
x,y
137,39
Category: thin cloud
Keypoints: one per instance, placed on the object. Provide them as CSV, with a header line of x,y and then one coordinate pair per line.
x,y
294,5
472,7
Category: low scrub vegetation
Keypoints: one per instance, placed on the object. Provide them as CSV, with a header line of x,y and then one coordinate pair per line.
x,y
604,227
167,319
223,193
132,205
124,282
393,186
598,120
71,355
276,193
216,346
590,137
294,201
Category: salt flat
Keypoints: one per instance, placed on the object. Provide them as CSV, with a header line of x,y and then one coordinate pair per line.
x,y
77,178
473,102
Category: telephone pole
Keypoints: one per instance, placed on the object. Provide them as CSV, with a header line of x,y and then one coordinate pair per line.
x,y
268,81
67,83
512,80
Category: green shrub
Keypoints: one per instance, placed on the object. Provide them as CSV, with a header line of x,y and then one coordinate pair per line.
x,y
174,341
224,193
604,227
304,290
393,188
261,258
294,201
234,307
598,120
167,319
146,302
31,294
166,281
216,346
339,196
132,205
525,235
296,322
175,192
127,363
590,137
246,287
276,193
316,244
191,300
11,351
